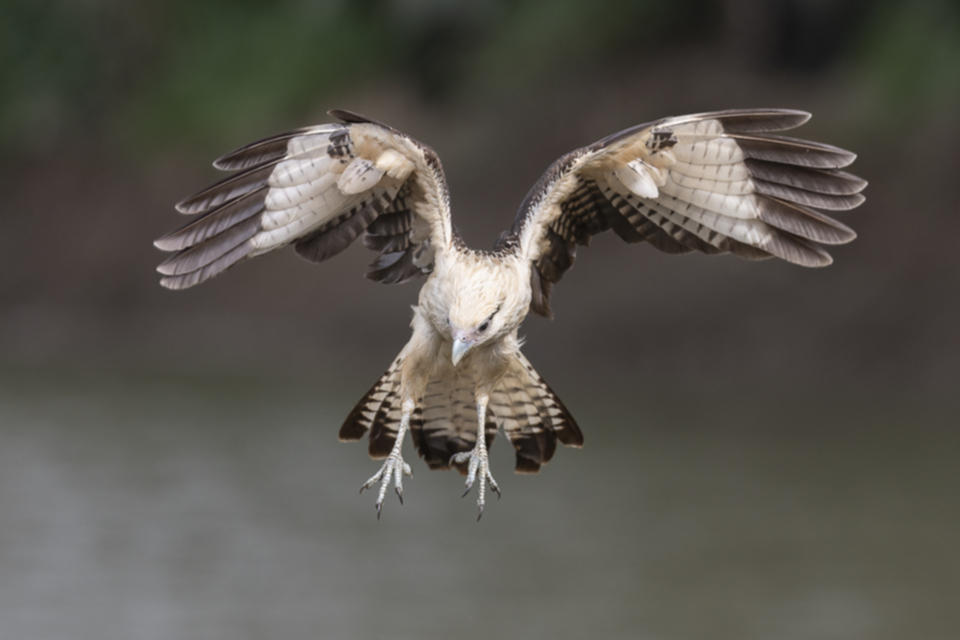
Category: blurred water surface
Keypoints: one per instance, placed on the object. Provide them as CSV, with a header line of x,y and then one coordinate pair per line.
x,y
144,507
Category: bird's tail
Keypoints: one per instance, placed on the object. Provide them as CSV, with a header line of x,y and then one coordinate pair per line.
x,y
379,412
444,421
532,416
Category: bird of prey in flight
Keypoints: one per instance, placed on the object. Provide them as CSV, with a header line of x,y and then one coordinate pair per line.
x,y
722,182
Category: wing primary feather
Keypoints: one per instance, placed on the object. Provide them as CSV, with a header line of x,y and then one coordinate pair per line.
x,y
804,222
213,222
268,149
758,120
209,250
829,202
219,265
227,189
793,151
825,181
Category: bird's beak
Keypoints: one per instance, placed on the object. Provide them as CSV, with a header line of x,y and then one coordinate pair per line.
x,y
460,346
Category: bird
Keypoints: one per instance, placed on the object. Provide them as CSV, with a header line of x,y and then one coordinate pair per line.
x,y
722,182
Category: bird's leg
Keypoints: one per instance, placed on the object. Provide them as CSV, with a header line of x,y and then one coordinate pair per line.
x,y
479,460
393,466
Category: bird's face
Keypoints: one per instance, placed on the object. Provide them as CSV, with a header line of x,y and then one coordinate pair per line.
x,y
475,320
486,300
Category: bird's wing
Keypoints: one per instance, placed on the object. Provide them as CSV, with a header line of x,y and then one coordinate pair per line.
x,y
318,188
711,182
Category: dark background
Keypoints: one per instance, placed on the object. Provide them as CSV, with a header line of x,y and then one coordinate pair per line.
x,y
771,451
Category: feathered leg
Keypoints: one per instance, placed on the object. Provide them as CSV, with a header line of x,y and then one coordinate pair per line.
x,y
394,465
479,460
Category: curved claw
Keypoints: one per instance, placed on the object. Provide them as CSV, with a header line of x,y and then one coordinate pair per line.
x,y
479,468
393,469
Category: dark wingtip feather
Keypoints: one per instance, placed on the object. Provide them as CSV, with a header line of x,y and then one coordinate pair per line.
x,y
804,222
224,262
355,118
793,151
347,116
259,152
210,250
758,120
798,251
826,181
213,222
230,188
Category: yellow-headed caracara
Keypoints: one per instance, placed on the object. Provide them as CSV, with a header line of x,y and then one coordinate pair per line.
x,y
712,182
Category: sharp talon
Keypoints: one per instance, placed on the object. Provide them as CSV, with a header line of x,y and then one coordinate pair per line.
x,y
467,491
391,472
497,491
480,515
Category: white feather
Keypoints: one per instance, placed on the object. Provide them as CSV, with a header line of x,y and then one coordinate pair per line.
x,y
709,151
310,143
299,171
733,205
327,201
395,164
333,203
639,178
727,187
753,232
359,176
716,172
285,198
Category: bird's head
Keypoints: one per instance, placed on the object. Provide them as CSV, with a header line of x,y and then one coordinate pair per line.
x,y
486,300
475,320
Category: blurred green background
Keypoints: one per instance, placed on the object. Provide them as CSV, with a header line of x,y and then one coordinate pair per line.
x,y
771,452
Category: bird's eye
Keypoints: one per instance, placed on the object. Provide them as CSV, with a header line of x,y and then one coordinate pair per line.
x,y
484,326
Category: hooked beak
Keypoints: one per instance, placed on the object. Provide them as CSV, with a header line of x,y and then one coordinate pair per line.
x,y
460,347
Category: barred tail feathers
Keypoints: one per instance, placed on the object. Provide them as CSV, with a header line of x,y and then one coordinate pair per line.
x,y
449,422
379,413
532,416
444,421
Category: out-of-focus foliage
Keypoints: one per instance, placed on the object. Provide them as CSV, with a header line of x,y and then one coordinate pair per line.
x,y
161,72
167,71
911,53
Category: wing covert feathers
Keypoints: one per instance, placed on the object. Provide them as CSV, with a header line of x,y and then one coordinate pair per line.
x,y
715,183
319,189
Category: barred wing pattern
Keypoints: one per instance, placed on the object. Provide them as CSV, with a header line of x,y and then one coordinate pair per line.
x,y
713,182
318,188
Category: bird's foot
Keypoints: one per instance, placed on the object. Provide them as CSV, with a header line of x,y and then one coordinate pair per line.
x,y
479,466
394,467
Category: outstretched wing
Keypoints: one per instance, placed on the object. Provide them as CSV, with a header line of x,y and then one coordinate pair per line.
x,y
711,182
318,188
